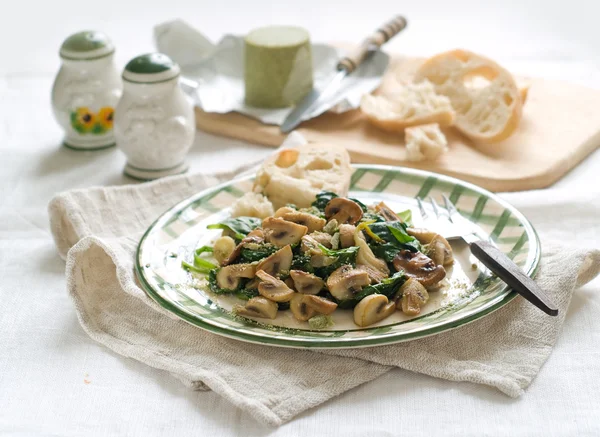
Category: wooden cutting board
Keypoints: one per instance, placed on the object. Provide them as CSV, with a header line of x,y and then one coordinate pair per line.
x,y
559,128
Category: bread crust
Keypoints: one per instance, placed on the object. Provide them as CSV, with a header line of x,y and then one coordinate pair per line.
x,y
398,126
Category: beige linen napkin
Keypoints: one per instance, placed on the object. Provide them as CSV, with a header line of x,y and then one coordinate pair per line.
x,y
97,231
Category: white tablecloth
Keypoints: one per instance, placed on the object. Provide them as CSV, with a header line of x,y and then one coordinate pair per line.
x,y
54,380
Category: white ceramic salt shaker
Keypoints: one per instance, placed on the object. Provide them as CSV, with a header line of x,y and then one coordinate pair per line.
x,y
154,120
86,90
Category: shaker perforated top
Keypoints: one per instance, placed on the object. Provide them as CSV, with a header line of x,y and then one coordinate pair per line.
x,y
151,68
86,45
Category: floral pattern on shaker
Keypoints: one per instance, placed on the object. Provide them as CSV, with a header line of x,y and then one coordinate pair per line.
x,y
84,121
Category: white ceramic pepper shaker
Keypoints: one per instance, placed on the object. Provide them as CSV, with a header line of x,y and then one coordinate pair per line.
x,y
154,120
86,90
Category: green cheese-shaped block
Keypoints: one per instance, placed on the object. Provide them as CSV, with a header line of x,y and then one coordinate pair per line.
x,y
278,66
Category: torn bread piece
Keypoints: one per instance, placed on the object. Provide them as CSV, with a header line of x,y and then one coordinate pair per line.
x,y
297,175
485,96
412,104
425,142
252,205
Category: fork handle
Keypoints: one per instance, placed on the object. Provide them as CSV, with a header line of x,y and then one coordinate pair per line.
x,y
509,272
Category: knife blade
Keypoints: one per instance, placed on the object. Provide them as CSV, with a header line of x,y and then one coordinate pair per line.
x,y
345,66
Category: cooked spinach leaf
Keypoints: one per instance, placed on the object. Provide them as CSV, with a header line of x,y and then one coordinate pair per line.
x,y
395,234
388,287
323,199
197,269
386,251
405,216
246,293
370,216
282,306
359,203
256,254
301,261
400,234
201,262
238,226
314,211
343,256
203,249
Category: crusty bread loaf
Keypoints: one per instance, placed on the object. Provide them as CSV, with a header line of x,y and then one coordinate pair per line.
x,y
426,142
484,95
411,104
298,175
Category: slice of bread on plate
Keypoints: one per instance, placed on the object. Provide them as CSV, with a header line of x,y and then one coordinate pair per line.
x,y
411,104
484,95
425,142
298,175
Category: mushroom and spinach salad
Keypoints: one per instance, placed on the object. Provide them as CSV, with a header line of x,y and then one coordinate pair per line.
x,y
337,254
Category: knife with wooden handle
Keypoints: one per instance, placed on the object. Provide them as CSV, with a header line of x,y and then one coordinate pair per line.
x,y
344,67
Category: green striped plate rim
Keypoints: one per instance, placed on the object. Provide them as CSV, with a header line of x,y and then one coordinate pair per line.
x,y
178,231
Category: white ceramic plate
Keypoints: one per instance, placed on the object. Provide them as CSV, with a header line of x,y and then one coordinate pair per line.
x,y
470,293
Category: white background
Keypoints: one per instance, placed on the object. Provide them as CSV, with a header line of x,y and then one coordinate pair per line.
x,y
55,381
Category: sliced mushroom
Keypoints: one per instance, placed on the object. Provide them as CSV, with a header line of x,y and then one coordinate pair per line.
x,y
372,309
228,277
386,212
346,281
413,296
320,304
306,283
290,283
284,210
376,276
223,248
258,307
279,262
343,211
280,232
273,288
233,255
366,256
419,266
423,235
440,251
322,238
256,233
300,309
312,222
347,235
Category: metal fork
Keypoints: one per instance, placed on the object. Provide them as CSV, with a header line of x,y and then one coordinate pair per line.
x,y
452,225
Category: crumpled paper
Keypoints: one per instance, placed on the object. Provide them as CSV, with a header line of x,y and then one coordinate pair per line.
x,y
213,74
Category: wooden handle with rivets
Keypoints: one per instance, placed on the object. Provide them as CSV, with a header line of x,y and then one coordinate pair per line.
x,y
380,37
